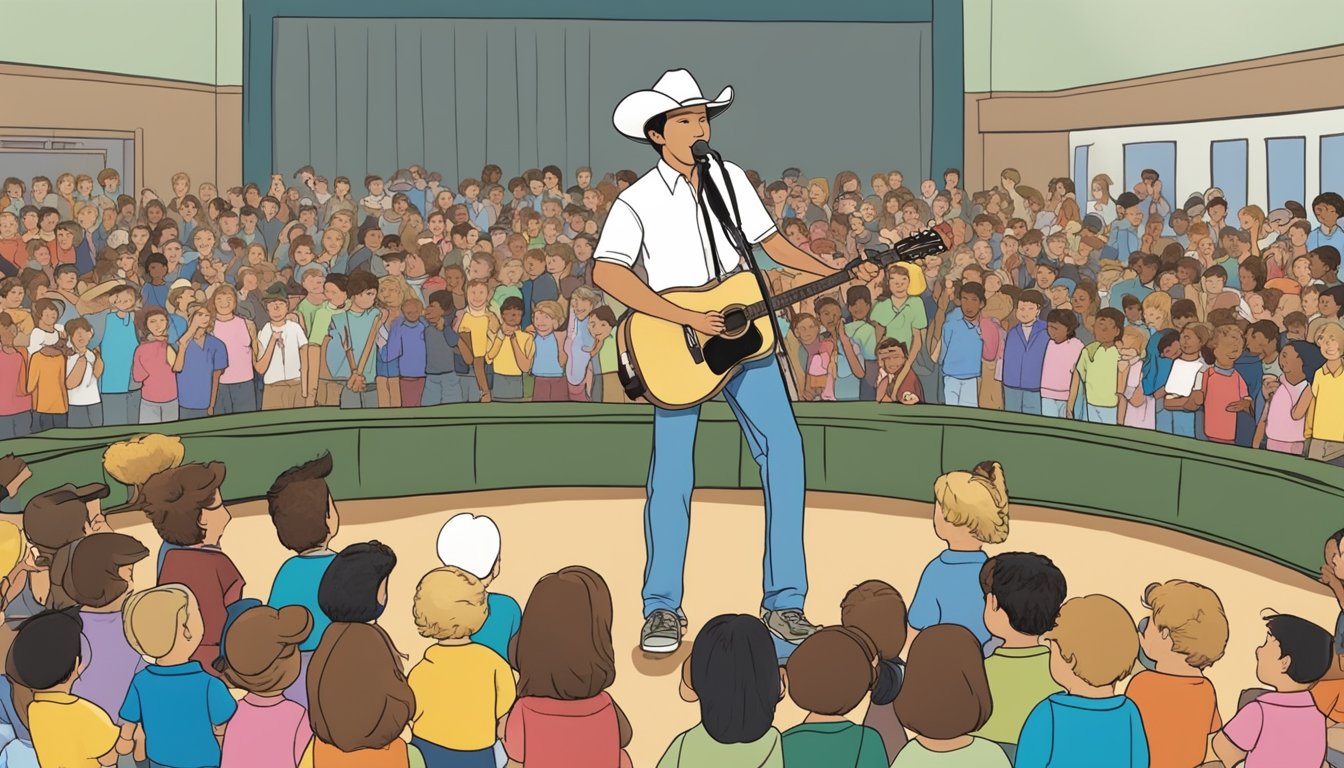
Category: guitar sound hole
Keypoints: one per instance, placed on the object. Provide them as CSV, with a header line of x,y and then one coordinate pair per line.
x,y
722,353
734,321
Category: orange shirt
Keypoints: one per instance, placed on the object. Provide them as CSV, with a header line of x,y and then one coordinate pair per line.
x,y
14,252
46,382
1329,698
1178,714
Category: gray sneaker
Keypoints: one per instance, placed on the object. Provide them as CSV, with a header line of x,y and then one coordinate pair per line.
x,y
791,625
661,632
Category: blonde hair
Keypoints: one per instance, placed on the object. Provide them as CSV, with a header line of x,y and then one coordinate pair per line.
x,y
551,309
1332,329
449,604
977,500
1193,617
133,461
12,546
1255,212
823,183
152,619
401,286
1160,300
1134,338
1096,637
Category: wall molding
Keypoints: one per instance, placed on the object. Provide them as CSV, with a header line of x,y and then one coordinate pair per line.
x,y
11,69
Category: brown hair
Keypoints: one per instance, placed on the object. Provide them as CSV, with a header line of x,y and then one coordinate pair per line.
x,y
831,672
50,527
1193,617
262,652
946,692
87,571
299,502
878,610
563,649
175,497
358,697
1095,636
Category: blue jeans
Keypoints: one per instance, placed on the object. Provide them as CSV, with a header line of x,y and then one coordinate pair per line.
x,y
1058,409
442,757
961,391
1097,414
366,399
1182,423
442,388
236,398
1022,400
121,408
761,404
1163,421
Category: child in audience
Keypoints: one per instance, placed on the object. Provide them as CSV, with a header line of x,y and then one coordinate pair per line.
x,y
1281,728
1023,593
182,709
970,510
548,363
261,656
511,353
306,520
462,689
877,610
1222,393
1061,356
472,543
891,356
734,674
830,673
1185,634
187,511
67,731
1329,691
565,660
1187,371
944,700
1098,369
1092,647
1135,408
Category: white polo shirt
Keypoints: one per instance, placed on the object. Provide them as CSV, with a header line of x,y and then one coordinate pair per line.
x,y
659,218
285,361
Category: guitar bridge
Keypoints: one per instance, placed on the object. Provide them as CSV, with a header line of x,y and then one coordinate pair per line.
x,y
693,344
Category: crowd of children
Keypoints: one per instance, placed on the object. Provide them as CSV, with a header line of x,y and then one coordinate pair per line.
x,y
992,664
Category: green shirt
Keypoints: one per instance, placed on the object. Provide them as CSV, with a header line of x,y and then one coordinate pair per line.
x,y
823,745
901,322
864,336
697,749
1019,679
1099,369
606,356
979,754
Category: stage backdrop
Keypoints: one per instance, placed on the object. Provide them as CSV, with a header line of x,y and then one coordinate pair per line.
x,y
368,96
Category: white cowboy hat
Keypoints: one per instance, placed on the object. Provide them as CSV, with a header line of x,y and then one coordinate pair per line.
x,y
674,90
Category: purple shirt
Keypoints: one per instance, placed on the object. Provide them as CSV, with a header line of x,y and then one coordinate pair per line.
x,y
198,372
1279,730
1024,357
266,732
406,346
112,663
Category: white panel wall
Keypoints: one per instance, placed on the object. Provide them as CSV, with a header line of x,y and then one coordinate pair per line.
x,y
1107,153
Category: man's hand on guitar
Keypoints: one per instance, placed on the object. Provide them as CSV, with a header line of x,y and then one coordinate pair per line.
x,y
709,323
866,271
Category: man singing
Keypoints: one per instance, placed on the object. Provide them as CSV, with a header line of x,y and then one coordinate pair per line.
x,y
658,217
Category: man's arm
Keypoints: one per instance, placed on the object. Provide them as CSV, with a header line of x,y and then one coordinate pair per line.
x,y
621,283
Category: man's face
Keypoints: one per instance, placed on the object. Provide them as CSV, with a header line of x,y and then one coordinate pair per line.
x,y
1217,212
927,187
584,179
1134,215
65,239
951,180
308,218
984,229
1326,305
684,127
1180,225
249,222
970,304
9,228
270,209
376,188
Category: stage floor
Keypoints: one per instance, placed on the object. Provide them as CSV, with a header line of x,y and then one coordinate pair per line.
x,y
849,539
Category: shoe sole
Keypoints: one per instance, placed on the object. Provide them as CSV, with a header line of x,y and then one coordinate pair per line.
x,y
661,649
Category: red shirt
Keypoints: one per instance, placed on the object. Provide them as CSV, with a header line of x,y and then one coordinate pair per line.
x,y
215,581
14,252
549,733
59,257
1221,390
14,397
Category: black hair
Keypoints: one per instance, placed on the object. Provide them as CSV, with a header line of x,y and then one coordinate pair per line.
x,y
1032,296
1216,271
46,649
444,299
1332,199
511,302
975,289
1328,254
656,124
1310,647
856,293
1029,588
156,258
349,589
735,675
1168,337
1066,318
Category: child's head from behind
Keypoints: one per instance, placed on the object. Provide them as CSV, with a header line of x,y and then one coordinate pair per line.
x,y
974,503
472,543
261,649
1023,593
301,506
354,587
449,604
184,503
47,651
563,649
877,610
1187,625
832,671
162,620
1092,644
735,676
96,570
946,693
1296,653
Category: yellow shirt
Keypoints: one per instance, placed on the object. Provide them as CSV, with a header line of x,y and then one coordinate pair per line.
x,y
479,326
22,318
1327,407
68,731
501,353
461,691
46,383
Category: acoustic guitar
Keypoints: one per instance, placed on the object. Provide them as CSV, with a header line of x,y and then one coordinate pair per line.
x,y
674,366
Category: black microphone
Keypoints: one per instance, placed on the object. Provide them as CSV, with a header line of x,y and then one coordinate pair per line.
x,y
701,151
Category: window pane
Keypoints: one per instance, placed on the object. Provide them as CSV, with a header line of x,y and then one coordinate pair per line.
x,y
1080,177
1332,163
1228,160
1159,156
1287,160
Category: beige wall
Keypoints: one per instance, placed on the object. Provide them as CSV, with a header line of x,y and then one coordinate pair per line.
x,y
1030,130
177,126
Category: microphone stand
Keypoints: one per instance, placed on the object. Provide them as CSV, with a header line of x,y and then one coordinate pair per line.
x,y
709,193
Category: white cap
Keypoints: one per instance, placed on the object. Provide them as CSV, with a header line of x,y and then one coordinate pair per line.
x,y
470,542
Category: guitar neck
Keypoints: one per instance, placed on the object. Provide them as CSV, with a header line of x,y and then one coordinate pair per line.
x,y
776,303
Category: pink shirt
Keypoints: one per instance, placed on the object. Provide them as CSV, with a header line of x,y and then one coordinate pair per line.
x,y
14,397
1057,371
1141,416
150,367
266,732
239,344
1279,730
549,733
991,333
1280,424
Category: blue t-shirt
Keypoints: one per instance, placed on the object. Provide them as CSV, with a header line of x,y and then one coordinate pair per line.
x,y
9,717
962,346
118,350
1316,238
179,707
1073,730
546,356
296,584
155,295
501,624
949,593
199,363
177,325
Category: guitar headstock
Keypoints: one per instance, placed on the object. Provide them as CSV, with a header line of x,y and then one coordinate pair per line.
x,y
925,242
